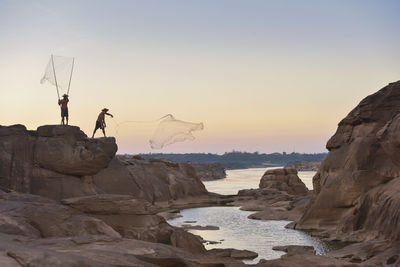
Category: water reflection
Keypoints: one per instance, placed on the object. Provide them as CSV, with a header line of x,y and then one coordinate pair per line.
x,y
237,231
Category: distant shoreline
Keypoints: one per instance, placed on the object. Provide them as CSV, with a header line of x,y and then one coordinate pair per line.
x,y
240,160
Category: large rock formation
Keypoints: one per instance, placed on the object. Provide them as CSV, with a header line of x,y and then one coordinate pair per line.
x,y
54,161
357,188
61,162
285,179
150,179
91,191
281,196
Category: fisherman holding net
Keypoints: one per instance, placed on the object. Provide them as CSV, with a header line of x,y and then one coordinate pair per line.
x,y
63,103
100,122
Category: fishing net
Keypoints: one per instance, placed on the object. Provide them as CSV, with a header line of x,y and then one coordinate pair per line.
x,y
169,131
58,72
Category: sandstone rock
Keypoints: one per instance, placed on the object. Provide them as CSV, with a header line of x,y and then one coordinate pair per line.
x,y
305,260
199,227
285,179
233,253
110,204
52,160
294,249
150,179
360,252
356,190
33,216
133,218
60,162
100,251
304,165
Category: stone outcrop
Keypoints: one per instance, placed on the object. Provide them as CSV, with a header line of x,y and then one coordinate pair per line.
x,y
55,161
357,188
36,217
304,165
285,179
59,162
150,179
36,231
233,253
281,196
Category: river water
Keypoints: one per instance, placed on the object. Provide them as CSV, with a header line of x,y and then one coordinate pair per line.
x,y
236,230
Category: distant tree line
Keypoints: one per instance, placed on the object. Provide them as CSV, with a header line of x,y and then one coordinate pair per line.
x,y
239,160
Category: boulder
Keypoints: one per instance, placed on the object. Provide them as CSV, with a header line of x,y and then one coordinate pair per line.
x,y
357,188
284,179
233,253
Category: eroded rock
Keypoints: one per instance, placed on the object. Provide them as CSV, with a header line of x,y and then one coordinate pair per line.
x,y
357,188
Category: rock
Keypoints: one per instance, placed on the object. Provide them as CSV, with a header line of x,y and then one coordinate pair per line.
x,y
305,260
233,253
304,165
294,249
285,179
100,251
54,161
209,171
357,188
360,252
110,204
33,216
60,162
133,218
199,227
150,179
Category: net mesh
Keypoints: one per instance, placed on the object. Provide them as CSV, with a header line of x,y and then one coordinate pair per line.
x,y
171,130
168,131
62,70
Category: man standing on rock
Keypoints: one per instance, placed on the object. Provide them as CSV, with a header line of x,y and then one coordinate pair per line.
x,y
63,103
100,122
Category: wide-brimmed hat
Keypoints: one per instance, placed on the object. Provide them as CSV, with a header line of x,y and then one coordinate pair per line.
x,y
65,95
105,109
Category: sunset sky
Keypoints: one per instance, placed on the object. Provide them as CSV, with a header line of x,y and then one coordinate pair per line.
x,y
267,76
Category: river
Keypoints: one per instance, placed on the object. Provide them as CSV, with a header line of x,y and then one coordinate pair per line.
x,y
236,230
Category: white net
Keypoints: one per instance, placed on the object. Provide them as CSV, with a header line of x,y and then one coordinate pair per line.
x,y
171,130
59,73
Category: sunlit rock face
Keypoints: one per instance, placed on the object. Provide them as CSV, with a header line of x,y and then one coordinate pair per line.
x,y
150,179
357,188
60,162
284,179
55,161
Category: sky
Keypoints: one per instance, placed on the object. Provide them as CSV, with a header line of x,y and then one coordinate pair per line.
x,y
267,76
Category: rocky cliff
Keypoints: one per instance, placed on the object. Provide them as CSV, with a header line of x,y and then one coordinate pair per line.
x,y
357,188
60,162
68,200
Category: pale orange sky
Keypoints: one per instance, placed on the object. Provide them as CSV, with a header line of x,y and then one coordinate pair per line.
x,y
261,75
